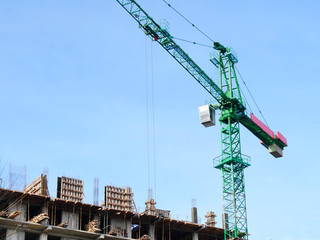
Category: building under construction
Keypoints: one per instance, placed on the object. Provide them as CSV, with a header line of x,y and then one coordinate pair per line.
x,y
33,215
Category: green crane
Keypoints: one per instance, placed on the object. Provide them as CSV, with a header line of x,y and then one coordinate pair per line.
x,y
233,112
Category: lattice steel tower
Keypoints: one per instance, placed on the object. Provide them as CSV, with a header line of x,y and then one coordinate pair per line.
x,y
231,162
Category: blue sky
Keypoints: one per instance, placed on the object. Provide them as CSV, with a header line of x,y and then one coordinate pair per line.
x,y
73,100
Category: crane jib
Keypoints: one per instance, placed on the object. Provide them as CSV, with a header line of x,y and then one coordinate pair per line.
x,y
274,142
162,36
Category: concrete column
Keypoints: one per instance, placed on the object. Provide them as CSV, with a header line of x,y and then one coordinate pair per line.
x,y
151,231
195,236
225,221
44,236
194,215
13,234
128,225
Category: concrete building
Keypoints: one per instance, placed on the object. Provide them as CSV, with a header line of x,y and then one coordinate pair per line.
x,y
27,216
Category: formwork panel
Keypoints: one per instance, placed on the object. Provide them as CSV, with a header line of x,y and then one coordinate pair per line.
x,y
70,189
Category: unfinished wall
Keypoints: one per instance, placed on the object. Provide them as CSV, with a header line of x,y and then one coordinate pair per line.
x,y
71,219
13,234
119,226
18,206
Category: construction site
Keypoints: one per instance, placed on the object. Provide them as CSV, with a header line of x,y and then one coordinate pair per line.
x,y
33,215
124,144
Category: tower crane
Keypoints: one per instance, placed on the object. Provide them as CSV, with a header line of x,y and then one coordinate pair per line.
x,y
233,113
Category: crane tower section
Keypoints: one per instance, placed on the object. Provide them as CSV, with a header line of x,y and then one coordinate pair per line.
x,y
231,162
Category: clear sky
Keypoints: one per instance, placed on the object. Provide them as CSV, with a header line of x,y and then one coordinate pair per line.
x,y
73,100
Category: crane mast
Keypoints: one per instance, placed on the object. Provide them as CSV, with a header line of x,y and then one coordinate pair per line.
x,y
231,162
233,112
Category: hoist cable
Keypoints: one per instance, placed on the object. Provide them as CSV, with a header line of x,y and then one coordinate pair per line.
x,y
245,99
153,125
147,109
252,97
200,44
187,20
